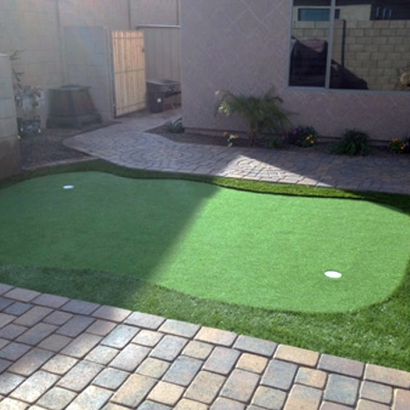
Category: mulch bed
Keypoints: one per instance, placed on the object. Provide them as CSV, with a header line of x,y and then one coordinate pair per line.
x,y
323,147
47,148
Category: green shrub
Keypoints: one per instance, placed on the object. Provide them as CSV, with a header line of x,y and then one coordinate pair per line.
x,y
263,114
175,127
353,142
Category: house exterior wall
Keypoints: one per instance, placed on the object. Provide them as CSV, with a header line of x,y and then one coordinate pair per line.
x,y
164,12
244,47
9,142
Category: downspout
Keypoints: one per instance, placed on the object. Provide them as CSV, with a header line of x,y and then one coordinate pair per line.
x,y
330,45
178,12
60,42
129,16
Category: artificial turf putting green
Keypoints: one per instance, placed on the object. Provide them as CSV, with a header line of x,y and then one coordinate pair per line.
x,y
259,250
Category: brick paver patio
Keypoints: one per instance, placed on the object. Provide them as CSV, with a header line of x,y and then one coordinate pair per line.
x,y
57,353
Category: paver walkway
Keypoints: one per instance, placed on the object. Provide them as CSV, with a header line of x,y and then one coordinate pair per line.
x,y
58,353
127,144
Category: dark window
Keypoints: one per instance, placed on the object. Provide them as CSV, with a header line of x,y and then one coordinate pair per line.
x,y
364,46
316,14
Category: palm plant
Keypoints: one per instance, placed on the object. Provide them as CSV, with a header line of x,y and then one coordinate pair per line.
x,y
263,114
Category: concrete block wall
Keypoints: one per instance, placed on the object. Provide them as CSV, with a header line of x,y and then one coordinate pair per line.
x,y
87,52
377,50
373,50
9,142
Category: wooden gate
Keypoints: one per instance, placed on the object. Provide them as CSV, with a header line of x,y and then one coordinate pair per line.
x,y
129,71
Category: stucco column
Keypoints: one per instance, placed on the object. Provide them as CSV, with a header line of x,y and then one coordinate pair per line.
x,y
10,163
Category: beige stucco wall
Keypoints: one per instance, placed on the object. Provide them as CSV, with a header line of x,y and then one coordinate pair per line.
x,y
30,26
111,14
9,142
154,12
244,47
38,29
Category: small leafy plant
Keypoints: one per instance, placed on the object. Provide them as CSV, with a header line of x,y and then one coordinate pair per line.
x,y
400,145
263,114
353,142
28,100
175,127
303,136
230,138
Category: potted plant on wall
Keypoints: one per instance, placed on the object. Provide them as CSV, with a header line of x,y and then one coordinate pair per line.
x,y
28,100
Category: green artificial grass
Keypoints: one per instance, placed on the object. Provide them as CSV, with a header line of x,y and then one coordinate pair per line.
x,y
375,334
259,250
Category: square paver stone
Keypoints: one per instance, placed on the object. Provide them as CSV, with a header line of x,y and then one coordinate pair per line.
x,y
279,375
93,397
269,398
169,347
198,350
34,387
297,355
252,363
178,328
144,320
52,301
183,370
240,385
148,338
56,398
392,377
80,307
154,368
133,391
341,365
216,336
22,295
342,389
111,378
31,361
120,336
303,397
205,387
221,403
9,381
376,392
166,393
311,377
111,313
256,346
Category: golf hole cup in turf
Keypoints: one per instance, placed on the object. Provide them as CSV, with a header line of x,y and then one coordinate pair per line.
x,y
332,274
68,187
